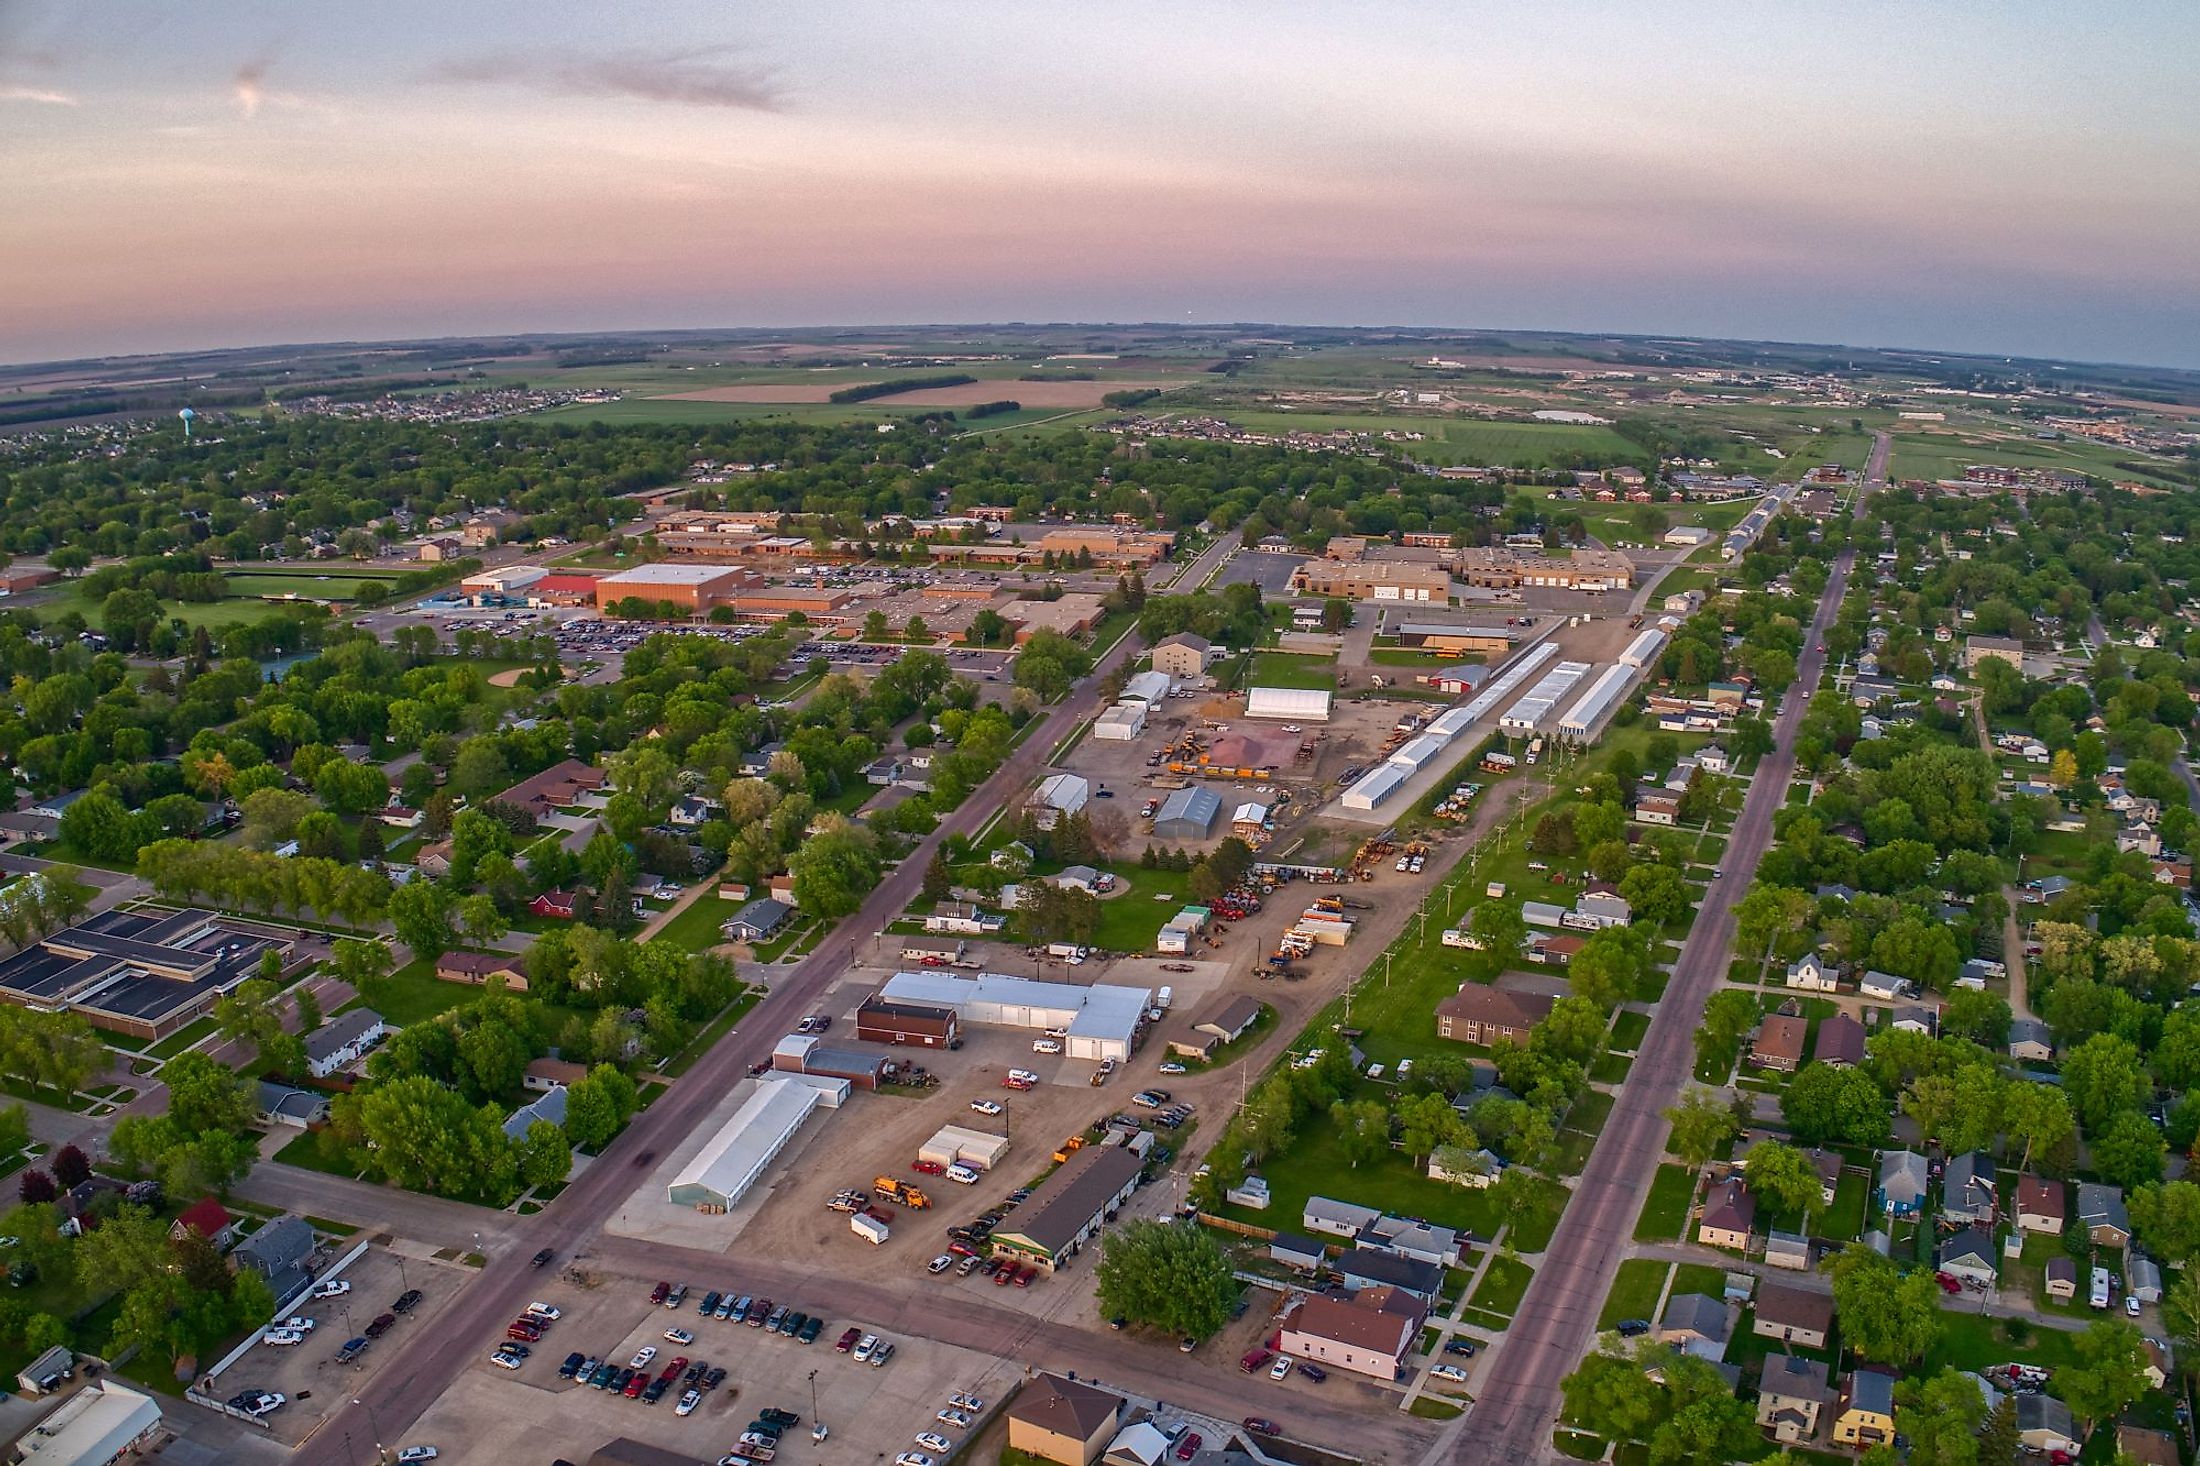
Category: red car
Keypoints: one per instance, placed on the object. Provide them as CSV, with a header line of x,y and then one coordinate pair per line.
x,y
1258,1426
847,1341
660,1293
525,1333
1025,1274
929,1168
1189,1446
1255,1359
636,1385
1948,1284
1005,1276
760,1310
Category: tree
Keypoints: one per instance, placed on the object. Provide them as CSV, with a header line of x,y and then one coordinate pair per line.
x,y
2181,1307
1978,1015
1827,1104
1702,1125
1784,1177
546,1156
2104,1077
71,1168
1942,1417
597,1105
1427,1121
1615,1397
2000,1443
1886,1316
426,1137
308,1008
420,911
2109,1375
2038,1115
1728,1015
1174,1278
2128,1152
204,1095
1363,1130
2166,1217
480,920
36,1187
1657,894
834,871
15,1129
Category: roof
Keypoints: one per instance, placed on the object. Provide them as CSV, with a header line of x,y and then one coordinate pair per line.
x,y
669,574
549,1105
1230,1014
340,1033
1840,1040
1065,1407
1731,1208
2147,1447
1480,1003
556,1071
561,782
926,1013
206,1216
1199,806
1369,1265
1904,1165
478,964
1869,1389
1286,702
1360,1321
2038,1196
1972,1244
763,914
1190,639
1781,1036
1073,1196
1695,1313
283,1099
1340,1213
284,1242
2100,1205
1297,1243
94,1424
2044,1412
1798,1308
1796,1378
751,1136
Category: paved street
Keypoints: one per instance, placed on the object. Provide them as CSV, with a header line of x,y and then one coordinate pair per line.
x,y
1556,1321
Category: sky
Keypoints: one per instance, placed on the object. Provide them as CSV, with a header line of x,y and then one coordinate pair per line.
x,y
2014,177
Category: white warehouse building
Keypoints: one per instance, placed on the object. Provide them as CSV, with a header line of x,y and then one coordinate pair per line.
x,y
727,1166
1101,1019
1644,649
1120,724
1489,697
1533,711
1289,704
1147,687
1589,709
1375,786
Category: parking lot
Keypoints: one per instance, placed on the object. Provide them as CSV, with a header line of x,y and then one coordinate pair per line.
x,y
309,1374
869,1411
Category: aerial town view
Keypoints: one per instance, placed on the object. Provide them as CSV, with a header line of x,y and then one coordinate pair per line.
x,y
1226,736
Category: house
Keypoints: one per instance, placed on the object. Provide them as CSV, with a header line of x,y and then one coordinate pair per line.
x,y
1808,973
547,1105
1068,1421
2101,1209
1696,1324
2040,1206
2146,1447
480,969
2061,1283
1795,1316
1414,1238
279,1104
2030,1040
1658,809
1182,656
1482,1014
1969,1255
1728,1214
1368,1267
343,1041
1297,1251
1968,1196
543,1075
1229,1018
757,921
1076,878
280,1252
1915,1019
1337,1218
555,905
1903,1176
1369,1333
1780,1040
1461,1167
1885,987
1791,1394
1840,1042
434,860
2044,1424
206,1218
2160,1364
961,918
1790,1250
692,809
1864,1414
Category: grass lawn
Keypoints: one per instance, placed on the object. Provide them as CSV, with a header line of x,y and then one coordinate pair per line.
x,y
314,1152
1628,1030
1611,1068
1503,1285
413,994
696,928
1698,1277
1845,1218
1973,1341
1131,916
1429,1407
1634,1292
182,1039
1665,1209
711,1032
1288,669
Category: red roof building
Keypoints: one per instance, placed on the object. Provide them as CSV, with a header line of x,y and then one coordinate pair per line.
x,y
558,905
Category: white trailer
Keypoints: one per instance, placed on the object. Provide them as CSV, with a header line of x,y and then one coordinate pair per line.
x,y
869,1228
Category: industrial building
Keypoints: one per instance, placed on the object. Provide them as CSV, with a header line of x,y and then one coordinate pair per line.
x,y
1101,1020
146,974
1123,723
1147,687
1485,702
1071,1206
103,1422
502,580
1644,649
1532,712
1376,580
1373,787
1590,708
923,1025
1187,814
1058,795
805,1053
695,588
1585,570
960,1145
727,1166
1290,704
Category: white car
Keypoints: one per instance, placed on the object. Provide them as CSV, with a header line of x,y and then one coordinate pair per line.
x,y
267,1402
1046,1046
913,1458
688,1402
986,1107
302,1325
642,1356
1451,1372
335,1288
933,1441
282,1338
864,1346
971,1403
1173,1067
417,1453
954,1418
1281,1369
503,1361
678,1336
2131,1305
544,1310
1291,728
940,1264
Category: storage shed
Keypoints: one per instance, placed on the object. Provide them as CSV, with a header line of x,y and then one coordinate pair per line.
x,y
1147,687
958,1144
1122,723
729,1163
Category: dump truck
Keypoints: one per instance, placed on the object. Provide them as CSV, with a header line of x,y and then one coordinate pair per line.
x,y
901,1191
870,1230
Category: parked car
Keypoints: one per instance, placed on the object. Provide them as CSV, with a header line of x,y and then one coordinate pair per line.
x,y
881,1354
962,1401
660,1293
847,1340
1631,1328
940,1264
809,1331
678,1336
953,1418
1451,1372
1464,1348
643,1355
334,1288
1259,1426
1281,1369
1313,1372
986,1106
282,1338
864,1346
543,1310
406,1302
934,1441
1189,1446
383,1323
572,1366
416,1453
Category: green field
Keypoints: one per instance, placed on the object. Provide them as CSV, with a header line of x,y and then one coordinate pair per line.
x,y
1665,1209
1456,440
1944,455
1290,669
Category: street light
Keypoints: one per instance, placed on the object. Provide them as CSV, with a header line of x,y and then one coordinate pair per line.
x,y
373,1425
813,1399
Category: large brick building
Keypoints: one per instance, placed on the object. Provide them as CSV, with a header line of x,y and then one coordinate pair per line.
x,y
1372,580
1478,1014
694,588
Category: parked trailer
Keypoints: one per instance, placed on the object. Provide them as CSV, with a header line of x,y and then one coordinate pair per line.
x,y
869,1228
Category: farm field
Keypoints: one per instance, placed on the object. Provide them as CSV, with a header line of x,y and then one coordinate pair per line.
x,y
1057,394
1944,455
1457,440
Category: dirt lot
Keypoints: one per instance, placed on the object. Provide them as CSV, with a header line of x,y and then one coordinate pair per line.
x,y
308,1373
868,1410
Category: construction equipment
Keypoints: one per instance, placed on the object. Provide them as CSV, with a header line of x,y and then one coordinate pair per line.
x,y
1069,1148
907,1195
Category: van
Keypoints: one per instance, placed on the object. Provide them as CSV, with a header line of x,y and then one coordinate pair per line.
x,y
1164,998
2097,1294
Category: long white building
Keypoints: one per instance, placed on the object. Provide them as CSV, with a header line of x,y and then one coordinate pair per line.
x,y
1532,712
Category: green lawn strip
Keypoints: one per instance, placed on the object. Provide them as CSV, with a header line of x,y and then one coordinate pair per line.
x,y
1576,1446
128,1042
1496,1323
1503,1285
1431,1407
711,1032
1698,1277
1634,1292
1573,1152
412,994
1973,1341
1845,1218
1590,1111
1665,1209
1289,669
1611,1068
1629,1029
316,1151
696,928
38,1094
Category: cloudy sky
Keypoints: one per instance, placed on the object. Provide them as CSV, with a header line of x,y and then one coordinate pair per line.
x,y
2011,177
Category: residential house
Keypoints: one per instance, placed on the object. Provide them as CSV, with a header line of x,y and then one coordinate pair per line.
x,y
1369,1333
1791,1394
693,809
547,1105
281,1252
554,904
1658,809
1969,1255
1903,1177
1885,987
1811,973
1728,1214
1797,1317
1864,1414
2040,1206
1697,1324
2031,1041
1481,1014
2061,1282
1062,1420
1915,1019
543,1075
1780,1040
2101,1209
2159,1366
2044,1424
1337,1218
757,921
1967,1191
1368,1267
480,969
206,1218
1840,1042
343,1041
280,1104
1141,1443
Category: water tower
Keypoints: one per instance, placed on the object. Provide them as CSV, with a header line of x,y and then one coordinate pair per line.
x,y
187,415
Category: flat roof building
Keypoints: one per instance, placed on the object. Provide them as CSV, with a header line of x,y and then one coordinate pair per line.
x,y
727,1166
1373,580
695,588
142,973
1101,1019
99,1424
1070,1206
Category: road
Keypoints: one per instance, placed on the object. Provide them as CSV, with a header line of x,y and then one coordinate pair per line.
x,y
1556,1322
411,1380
